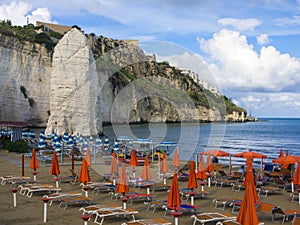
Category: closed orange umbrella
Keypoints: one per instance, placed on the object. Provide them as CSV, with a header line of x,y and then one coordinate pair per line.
x,y
201,174
114,164
164,164
209,165
249,180
88,157
296,178
192,181
84,176
133,159
247,214
146,173
174,195
122,186
176,161
281,154
54,167
34,164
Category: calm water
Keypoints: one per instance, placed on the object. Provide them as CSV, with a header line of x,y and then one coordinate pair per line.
x,y
267,136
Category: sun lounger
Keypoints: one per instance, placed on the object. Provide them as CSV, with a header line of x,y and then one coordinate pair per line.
x,y
224,202
103,213
59,195
237,186
160,187
29,189
223,182
197,194
92,209
295,196
285,213
73,178
184,208
75,200
296,221
233,222
148,222
211,217
158,204
14,179
264,191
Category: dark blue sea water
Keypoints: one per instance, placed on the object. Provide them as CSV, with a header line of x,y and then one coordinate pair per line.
x,y
266,136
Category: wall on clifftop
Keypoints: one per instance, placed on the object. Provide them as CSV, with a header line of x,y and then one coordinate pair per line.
x,y
24,81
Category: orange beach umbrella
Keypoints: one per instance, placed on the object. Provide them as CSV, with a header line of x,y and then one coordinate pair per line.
x,y
216,153
84,176
192,181
209,165
146,173
133,159
251,154
249,180
281,153
201,174
289,159
34,164
114,164
174,195
164,164
122,186
247,214
296,178
55,166
88,157
176,161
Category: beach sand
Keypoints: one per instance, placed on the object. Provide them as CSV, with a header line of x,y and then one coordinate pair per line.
x,y
30,210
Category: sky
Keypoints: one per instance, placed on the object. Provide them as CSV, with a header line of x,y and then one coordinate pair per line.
x,y
249,49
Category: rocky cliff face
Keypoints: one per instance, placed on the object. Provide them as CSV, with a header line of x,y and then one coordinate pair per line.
x,y
25,70
88,81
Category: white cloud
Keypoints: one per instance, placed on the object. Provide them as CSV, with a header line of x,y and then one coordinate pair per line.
x,y
263,39
19,12
236,64
240,24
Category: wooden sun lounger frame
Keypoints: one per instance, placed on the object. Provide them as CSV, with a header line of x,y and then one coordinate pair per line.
x,y
13,179
211,217
148,222
113,211
29,189
74,200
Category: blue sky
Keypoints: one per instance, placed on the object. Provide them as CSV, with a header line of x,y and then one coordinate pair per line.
x,y
250,49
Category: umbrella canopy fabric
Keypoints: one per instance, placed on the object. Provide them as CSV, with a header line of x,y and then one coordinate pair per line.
x,y
114,164
164,164
249,181
281,153
174,194
251,154
146,173
296,178
84,176
70,143
201,174
106,142
247,214
216,153
133,159
290,159
122,186
176,162
34,164
192,181
88,157
65,137
209,165
55,166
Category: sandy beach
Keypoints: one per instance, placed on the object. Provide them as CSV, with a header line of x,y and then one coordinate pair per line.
x,y
30,210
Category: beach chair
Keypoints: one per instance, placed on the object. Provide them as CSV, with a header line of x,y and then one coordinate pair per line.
x,y
265,190
295,196
160,187
101,214
223,182
92,209
296,221
72,178
184,208
233,222
186,194
157,204
267,208
74,200
286,214
211,217
280,183
14,179
148,222
224,202
237,186
59,195
29,189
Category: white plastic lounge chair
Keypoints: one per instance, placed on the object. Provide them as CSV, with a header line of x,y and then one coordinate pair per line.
x,y
224,202
148,222
59,195
75,200
211,217
92,209
13,179
102,214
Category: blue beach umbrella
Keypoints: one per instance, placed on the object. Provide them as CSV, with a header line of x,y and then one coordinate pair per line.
x,y
106,142
65,138
42,141
55,139
98,142
57,146
80,140
70,143
32,135
85,145
91,141
116,145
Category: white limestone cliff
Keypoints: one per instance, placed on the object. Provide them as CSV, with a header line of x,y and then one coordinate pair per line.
x,y
74,87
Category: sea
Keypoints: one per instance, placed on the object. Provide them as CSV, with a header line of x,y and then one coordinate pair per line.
x,y
266,136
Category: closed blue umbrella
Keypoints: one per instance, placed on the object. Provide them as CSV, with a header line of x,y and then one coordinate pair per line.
x,y
91,141
98,142
57,146
106,142
55,139
80,141
116,145
85,145
32,135
42,143
65,138
70,143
